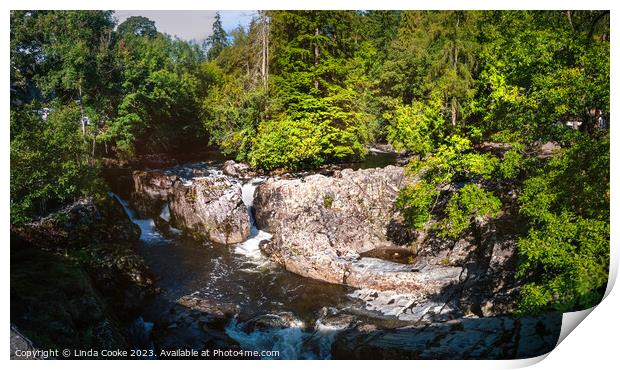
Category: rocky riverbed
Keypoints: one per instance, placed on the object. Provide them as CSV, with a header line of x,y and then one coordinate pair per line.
x,y
314,265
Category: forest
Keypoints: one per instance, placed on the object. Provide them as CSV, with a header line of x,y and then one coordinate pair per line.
x,y
499,113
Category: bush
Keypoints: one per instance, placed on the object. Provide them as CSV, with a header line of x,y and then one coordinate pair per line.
x,y
416,201
287,144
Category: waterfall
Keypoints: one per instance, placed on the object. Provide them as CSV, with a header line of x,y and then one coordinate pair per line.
x,y
251,247
165,213
148,231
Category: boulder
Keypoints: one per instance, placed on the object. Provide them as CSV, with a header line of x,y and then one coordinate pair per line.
x,y
100,233
196,199
21,345
240,170
208,306
210,208
151,190
324,227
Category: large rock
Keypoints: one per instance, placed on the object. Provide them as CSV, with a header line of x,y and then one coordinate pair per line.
x,y
240,170
210,207
322,225
199,199
466,338
151,190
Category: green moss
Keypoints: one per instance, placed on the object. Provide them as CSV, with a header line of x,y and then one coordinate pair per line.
x,y
328,201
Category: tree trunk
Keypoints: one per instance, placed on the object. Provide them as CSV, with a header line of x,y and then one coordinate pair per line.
x,y
316,56
82,122
570,20
265,50
454,111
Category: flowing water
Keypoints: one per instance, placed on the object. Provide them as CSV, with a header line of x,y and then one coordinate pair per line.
x,y
306,311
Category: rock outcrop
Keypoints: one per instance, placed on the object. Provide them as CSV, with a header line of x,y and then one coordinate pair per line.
x,y
22,348
151,191
210,207
344,229
195,323
466,338
239,170
323,225
76,277
101,237
200,201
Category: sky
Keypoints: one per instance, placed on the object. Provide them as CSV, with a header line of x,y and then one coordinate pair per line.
x,y
189,24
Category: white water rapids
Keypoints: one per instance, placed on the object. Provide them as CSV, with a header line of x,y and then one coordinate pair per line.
x,y
148,231
251,247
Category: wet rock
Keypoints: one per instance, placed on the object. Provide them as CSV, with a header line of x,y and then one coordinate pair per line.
x,y
22,344
333,320
99,235
322,224
280,320
383,148
333,228
208,306
195,198
210,208
385,275
240,170
467,338
399,255
140,333
151,191
56,304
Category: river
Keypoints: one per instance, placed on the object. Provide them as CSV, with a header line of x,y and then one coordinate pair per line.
x,y
303,314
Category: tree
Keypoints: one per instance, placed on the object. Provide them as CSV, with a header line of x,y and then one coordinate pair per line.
x,y
49,161
565,254
218,39
433,56
137,26
159,104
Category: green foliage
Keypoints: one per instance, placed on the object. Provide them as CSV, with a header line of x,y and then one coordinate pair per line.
x,y
416,202
218,39
48,161
565,183
569,258
231,113
512,164
468,203
137,26
536,71
328,201
314,60
566,252
452,160
415,128
541,68
287,144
